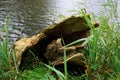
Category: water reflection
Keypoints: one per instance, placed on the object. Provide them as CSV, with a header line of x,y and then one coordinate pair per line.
x,y
28,17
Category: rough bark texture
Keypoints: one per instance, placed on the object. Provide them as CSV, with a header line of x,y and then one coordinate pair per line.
x,y
48,42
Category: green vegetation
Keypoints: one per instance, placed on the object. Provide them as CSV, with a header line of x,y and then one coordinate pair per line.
x,y
7,71
102,52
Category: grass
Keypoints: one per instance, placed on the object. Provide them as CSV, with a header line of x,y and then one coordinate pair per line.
x,y
38,73
102,52
6,54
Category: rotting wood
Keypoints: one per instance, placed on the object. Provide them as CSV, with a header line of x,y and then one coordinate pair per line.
x,y
47,42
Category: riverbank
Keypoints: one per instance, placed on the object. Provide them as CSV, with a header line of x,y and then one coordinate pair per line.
x,y
102,55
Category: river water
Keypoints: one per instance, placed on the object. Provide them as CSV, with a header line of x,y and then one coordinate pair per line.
x,y
29,17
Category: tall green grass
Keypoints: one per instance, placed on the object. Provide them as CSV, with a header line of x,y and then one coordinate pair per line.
x,y
8,69
103,49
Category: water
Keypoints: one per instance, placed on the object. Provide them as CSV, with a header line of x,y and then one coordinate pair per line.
x,y
28,17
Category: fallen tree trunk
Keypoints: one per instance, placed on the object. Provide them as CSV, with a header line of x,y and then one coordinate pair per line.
x,y
48,43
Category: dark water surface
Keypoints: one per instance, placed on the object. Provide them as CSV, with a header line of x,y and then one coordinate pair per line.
x,y
28,17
